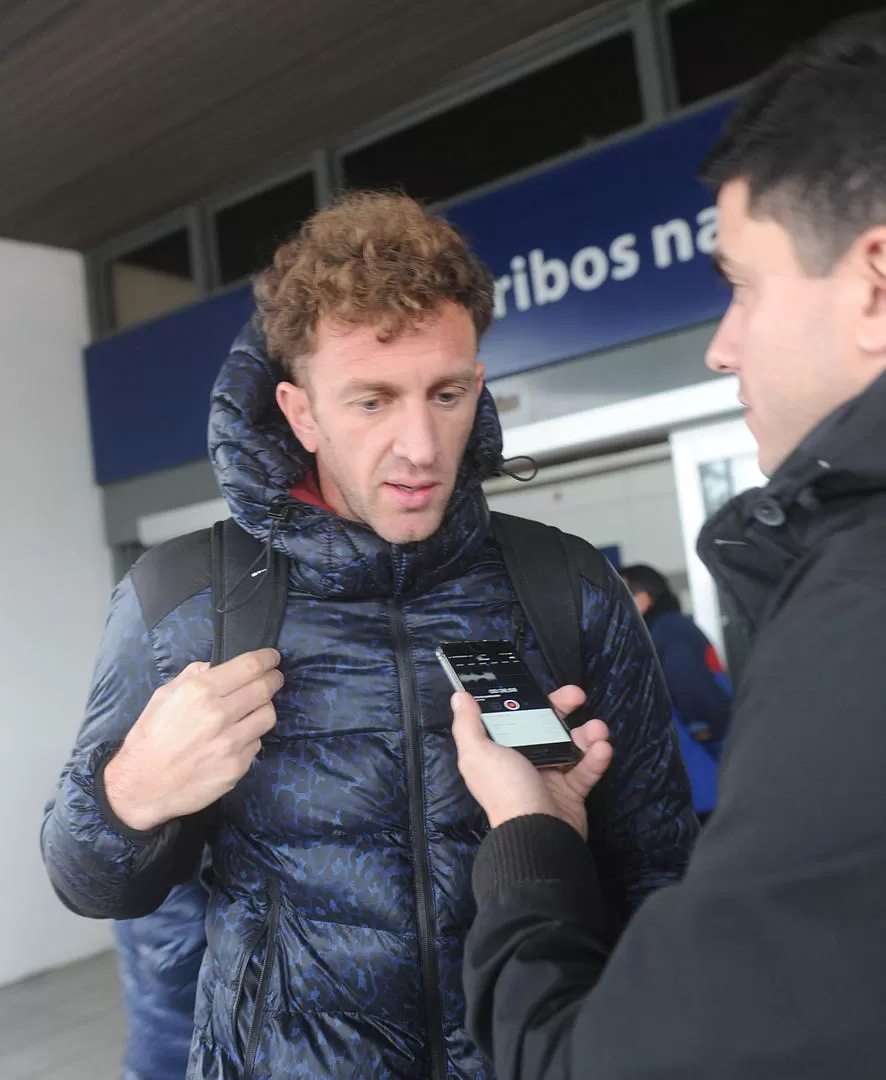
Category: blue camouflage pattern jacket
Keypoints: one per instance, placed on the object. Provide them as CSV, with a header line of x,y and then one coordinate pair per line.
x,y
342,860
159,958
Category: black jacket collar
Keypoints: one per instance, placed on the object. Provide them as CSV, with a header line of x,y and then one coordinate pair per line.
x,y
754,542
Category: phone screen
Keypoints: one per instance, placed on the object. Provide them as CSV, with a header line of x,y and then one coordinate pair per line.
x,y
515,711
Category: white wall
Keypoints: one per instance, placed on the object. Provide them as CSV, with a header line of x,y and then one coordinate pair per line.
x,y
633,505
55,577
593,431
166,525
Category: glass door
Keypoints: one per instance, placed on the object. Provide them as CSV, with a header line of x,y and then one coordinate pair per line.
x,y
712,463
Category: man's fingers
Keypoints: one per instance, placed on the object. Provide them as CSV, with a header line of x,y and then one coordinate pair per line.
x,y
236,673
593,731
255,725
253,696
192,671
248,756
567,699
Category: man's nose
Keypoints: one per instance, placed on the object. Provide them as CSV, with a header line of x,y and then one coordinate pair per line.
x,y
722,354
417,440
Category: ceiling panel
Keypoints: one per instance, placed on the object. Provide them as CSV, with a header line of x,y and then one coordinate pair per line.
x,y
113,112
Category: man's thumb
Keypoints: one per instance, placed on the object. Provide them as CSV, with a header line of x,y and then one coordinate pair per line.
x,y
590,769
467,725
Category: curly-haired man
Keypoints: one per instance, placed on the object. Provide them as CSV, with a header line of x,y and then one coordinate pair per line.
x,y
351,429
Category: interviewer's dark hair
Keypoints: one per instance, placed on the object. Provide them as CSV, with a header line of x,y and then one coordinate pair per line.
x,y
810,139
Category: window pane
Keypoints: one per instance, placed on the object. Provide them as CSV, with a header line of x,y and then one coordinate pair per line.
x,y
152,280
572,104
251,231
721,43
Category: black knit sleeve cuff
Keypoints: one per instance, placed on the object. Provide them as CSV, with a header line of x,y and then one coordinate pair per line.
x,y
536,847
137,836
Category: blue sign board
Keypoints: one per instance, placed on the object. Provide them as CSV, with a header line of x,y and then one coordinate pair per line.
x,y
606,248
610,247
149,387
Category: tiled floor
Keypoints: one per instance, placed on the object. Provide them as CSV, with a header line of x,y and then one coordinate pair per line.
x,y
64,1025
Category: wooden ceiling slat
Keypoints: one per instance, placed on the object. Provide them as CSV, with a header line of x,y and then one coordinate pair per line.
x,y
121,110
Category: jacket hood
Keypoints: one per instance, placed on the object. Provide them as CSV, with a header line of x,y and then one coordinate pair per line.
x,y
258,459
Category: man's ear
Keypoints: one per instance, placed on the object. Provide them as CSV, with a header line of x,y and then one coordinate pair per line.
x,y
295,404
871,325
481,378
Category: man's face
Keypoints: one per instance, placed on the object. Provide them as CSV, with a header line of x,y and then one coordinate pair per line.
x,y
641,598
800,345
389,421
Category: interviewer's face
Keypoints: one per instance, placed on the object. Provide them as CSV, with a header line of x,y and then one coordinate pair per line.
x,y
801,344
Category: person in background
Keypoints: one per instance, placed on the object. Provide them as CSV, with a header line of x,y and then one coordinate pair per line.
x,y
699,687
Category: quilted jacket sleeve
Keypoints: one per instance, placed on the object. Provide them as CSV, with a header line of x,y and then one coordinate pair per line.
x,y
642,823
99,867
159,959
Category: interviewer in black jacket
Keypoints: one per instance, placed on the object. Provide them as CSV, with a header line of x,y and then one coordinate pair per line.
x,y
768,961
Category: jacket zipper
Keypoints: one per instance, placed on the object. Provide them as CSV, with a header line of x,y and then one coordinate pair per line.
x,y
268,931
420,857
248,952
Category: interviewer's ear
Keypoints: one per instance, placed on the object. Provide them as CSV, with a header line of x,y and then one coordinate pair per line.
x,y
865,264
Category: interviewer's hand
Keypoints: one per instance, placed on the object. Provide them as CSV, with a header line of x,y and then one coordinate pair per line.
x,y
507,785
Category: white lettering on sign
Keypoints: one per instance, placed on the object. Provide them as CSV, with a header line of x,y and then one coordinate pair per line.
x,y
538,280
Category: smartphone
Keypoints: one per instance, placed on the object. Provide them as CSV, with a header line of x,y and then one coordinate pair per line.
x,y
515,711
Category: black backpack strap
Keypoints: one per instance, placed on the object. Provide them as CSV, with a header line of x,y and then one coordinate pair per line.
x,y
249,588
546,568
167,575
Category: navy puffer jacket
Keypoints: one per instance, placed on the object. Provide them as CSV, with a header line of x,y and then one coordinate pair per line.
x,y
342,860
159,959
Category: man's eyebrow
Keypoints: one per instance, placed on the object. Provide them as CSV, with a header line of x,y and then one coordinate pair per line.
x,y
374,386
463,377
366,386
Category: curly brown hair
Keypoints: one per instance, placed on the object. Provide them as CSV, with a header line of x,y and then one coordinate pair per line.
x,y
370,259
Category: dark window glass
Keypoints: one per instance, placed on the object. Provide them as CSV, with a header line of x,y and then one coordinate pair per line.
x,y
251,231
568,105
151,280
721,43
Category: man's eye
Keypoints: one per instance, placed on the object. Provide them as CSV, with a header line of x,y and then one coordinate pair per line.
x,y
370,406
449,397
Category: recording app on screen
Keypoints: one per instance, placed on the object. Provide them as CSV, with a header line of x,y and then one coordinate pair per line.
x,y
514,709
